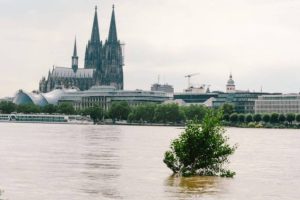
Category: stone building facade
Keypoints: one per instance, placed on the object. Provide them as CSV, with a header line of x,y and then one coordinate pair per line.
x,y
103,63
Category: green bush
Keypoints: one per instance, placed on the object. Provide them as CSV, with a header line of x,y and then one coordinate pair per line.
x,y
226,117
266,118
290,117
234,117
298,117
249,118
281,118
257,117
274,118
251,125
241,118
259,125
202,149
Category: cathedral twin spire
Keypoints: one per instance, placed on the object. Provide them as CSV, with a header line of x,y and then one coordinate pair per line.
x,y
106,59
95,37
94,49
112,36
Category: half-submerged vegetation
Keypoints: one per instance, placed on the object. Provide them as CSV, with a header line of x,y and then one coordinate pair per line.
x,y
202,149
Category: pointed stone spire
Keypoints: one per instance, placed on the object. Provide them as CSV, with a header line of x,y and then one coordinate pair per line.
x,y
112,36
95,37
75,49
75,58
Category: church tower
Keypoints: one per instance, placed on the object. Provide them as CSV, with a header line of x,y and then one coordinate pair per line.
x,y
93,49
75,58
230,86
113,58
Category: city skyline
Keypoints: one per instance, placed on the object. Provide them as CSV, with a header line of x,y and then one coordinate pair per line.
x,y
257,41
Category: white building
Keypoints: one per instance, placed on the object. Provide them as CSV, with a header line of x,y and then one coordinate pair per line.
x,y
103,96
285,103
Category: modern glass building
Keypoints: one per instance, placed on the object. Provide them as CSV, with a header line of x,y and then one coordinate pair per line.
x,y
40,99
286,103
243,102
194,98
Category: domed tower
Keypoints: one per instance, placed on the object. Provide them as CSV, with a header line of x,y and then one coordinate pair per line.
x,y
230,86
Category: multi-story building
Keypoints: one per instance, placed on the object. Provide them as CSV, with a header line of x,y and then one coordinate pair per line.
x,y
243,102
103,63
103,96
285,103
162,88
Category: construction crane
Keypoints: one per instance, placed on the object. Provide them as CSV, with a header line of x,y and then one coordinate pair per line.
x,y
189,78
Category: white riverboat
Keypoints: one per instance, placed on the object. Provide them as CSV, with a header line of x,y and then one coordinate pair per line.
x,y
44,118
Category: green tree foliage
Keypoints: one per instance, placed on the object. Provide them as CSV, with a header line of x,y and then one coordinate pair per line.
x,y
7,107
274,118
290,117
227,108
119,110
266,118
257,117
201,149
226,117
169,113
142,113
28,108
195,112
298,117
50,109
281,118
249,118
96,113
66,108
241,118
234,117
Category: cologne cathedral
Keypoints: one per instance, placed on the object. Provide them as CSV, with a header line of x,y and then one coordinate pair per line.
x,y
103,63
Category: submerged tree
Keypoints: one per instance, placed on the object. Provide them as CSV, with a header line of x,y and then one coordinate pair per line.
x,y
202,149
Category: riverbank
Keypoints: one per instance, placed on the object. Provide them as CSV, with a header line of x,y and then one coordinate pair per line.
x,y
182,125
249,125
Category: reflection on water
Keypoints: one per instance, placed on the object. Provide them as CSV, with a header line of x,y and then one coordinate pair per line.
x,y
44,161
192,186
102,162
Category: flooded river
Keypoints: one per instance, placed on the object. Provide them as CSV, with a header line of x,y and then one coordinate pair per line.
x,y
85,162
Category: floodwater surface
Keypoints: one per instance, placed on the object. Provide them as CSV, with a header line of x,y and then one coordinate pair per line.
x,y
86,162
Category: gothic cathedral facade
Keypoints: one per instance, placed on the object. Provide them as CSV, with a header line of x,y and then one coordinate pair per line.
x,y
103,63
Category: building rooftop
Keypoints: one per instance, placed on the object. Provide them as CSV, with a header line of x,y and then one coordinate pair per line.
x,y
64,72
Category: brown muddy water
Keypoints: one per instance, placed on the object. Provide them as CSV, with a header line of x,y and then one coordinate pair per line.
x,y
85,162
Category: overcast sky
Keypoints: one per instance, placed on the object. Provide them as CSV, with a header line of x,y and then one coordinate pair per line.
x,y
257,40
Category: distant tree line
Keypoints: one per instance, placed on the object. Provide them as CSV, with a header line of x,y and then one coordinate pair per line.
x,y
159,113
267,120
148,113
144,113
